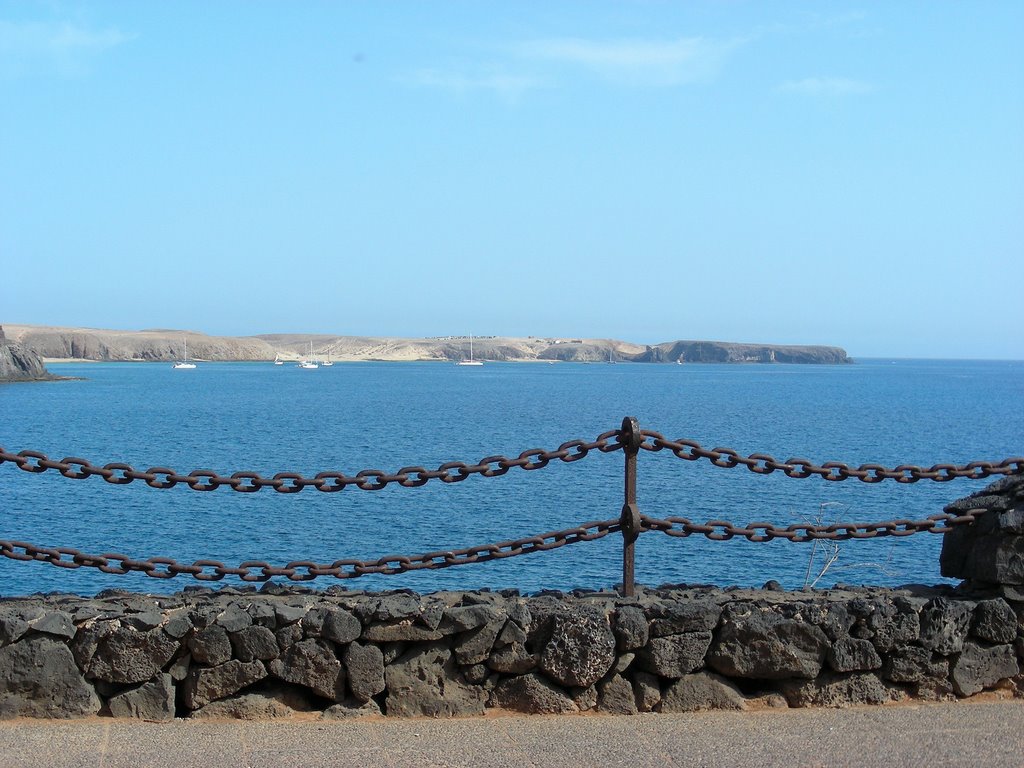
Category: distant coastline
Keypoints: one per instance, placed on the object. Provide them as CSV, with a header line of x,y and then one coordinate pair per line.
x,y
20,364
65,344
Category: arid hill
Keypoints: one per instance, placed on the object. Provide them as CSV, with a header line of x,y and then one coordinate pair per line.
x,y
53,344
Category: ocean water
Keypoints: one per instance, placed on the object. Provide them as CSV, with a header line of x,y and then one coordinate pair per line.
x,y
247,416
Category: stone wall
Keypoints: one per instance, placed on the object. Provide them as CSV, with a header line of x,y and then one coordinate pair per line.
x,y
279,651
990,554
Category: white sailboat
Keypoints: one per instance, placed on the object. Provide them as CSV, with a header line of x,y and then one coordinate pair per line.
x,y
309,362
327,363
471,361
184,364
278,360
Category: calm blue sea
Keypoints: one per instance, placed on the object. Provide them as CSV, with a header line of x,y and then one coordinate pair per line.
x,y
247,416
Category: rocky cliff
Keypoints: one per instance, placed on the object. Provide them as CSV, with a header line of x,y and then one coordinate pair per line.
x,y
166,345
20,364
147,345
693,352
729,352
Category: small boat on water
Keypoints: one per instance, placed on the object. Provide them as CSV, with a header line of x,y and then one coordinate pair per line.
x,y
327,363
471,361
184,364
278,360
310,362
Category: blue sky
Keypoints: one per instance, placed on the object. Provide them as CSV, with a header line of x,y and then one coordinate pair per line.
x,y
848,174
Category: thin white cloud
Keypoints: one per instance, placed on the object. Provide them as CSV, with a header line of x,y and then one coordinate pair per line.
x,y
637,62
507,86
815,23
546,62
826,86
71,38
60,46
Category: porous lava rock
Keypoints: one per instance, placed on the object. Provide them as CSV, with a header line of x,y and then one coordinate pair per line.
x,y
701,691
39,678
270,703
944,625
980,666
533,694
761,644
152,701
615,696
206,684
674,655
990,551
994,621
850,654
254,642
115,653
313,664
581,648
365,667
425,681
846,690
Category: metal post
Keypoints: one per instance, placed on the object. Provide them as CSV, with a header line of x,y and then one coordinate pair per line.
x,y
630,518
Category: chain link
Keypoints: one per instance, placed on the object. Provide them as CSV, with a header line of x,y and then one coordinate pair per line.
x,y
722,530
307,570
491,466
764,464
117,473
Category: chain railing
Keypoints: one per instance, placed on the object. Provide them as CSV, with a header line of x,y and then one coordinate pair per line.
x,y
630,439
292,482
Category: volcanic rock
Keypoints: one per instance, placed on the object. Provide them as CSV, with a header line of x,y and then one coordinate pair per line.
x,y
38,678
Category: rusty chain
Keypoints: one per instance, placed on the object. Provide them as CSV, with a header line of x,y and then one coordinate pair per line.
x,y
763,464
306,570
493,466
722,530
117,473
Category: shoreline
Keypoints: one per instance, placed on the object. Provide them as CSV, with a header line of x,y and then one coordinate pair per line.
x,y
514,361
80,345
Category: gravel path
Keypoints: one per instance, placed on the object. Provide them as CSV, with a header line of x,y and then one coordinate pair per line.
x,y
987,733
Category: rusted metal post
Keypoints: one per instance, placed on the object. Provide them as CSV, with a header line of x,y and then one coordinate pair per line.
x,y
630,518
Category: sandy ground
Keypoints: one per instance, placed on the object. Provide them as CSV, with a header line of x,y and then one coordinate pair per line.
x,y
975,734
